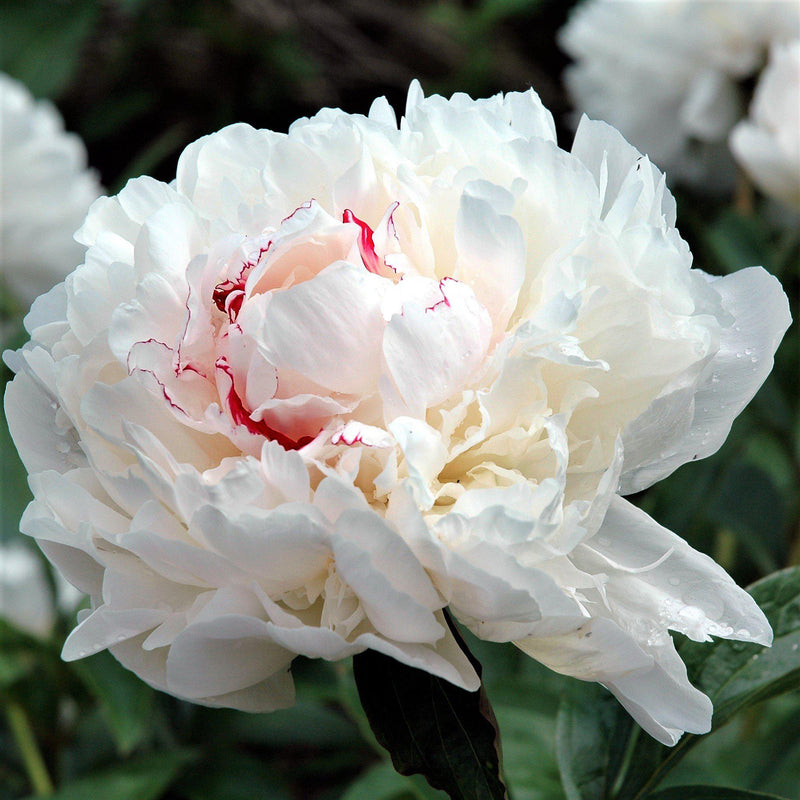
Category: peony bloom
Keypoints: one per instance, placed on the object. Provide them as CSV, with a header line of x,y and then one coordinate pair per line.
x,y
329,382
26,599
45,192
667,73
767,144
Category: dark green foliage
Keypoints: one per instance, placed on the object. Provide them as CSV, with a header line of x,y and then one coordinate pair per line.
x,y
432,727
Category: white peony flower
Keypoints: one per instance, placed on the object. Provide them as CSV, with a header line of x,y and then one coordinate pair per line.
x,y
45,192
327,383
667,73
26,598
767,144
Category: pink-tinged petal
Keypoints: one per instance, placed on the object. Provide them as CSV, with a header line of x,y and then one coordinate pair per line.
x,y
242,417
302,416
105,409
328,329
156,314
307,241
432,352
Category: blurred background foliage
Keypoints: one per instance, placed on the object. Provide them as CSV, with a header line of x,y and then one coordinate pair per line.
x,y
140,79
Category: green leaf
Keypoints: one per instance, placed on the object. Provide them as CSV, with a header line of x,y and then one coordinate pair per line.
x,y
710,793
229,775
591,739
42,41
145,778
734,675
432,727
126,702
20,654
527,731
747,503
379,782
14,492
602,754
737,240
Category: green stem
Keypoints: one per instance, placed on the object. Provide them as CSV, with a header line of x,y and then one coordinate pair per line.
x,y
22,731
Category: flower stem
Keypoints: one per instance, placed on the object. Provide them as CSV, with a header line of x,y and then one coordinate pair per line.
x,y
22,731
744,200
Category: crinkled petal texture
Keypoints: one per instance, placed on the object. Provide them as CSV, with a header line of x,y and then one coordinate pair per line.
x,y
767,144
329,383
45,192
668,73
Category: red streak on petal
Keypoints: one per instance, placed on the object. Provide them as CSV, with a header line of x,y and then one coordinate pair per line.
x,y
444,301
241,416
229,295
366,245
339,438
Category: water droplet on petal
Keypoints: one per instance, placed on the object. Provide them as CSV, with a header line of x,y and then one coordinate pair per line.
x,y
674,581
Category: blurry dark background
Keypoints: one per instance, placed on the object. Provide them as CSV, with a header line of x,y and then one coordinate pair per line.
x,y
140,79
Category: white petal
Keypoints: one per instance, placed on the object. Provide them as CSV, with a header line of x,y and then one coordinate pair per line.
x,y
759,317
662,700
328,329
655,577
491,250
223,655
445,659
394,590
596,650
432,352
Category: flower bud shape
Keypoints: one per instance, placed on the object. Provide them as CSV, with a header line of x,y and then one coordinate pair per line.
x,y
329,383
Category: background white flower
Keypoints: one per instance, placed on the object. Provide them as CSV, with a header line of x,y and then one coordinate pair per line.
x,y
667,74
767,144
45,192
26,598
327,383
